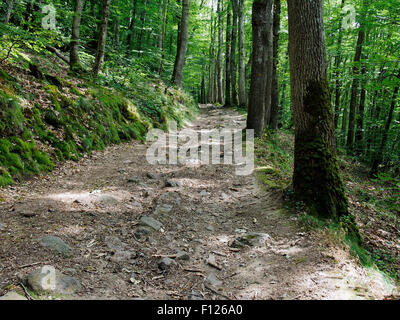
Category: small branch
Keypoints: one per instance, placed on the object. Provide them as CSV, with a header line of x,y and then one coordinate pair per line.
x,y
26,291
58,54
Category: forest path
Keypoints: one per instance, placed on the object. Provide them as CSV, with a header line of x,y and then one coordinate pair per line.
x,y
238,244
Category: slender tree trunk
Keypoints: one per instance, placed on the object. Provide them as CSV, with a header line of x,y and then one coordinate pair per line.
x,y
162,41
234,97
242,62
142,27
102,38
354,90
316,178
75,37
359,137
379,155
228,75
131,29
338,83
255,115
220,97
275,59
9,11
182,45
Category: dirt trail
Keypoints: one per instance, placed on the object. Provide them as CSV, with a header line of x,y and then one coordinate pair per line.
x,y
95,206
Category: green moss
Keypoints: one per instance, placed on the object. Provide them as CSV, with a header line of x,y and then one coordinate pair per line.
x,y
5,178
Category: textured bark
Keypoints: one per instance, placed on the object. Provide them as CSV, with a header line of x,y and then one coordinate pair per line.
x,y
9,11
354,90
162,36
182,45
102,38
242,62
379,155
131,29
228,58
220,91
269,65
338,83
142,26
360,116
316,178
255,115
75,37
275,87
234,98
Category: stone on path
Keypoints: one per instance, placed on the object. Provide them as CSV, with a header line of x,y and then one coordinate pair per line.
x,y
182,255
114,243
12,295
163,209
166,263
107,200
150,222
58,245
251,239
49,280
213,280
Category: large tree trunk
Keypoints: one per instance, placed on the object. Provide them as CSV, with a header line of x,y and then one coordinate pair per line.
x,y
234,97
268,67
242,62
228,58
255,116
275,58
182,45
102,38
316,178
75,37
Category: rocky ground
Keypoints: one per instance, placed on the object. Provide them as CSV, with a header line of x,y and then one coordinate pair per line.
x,y
112,226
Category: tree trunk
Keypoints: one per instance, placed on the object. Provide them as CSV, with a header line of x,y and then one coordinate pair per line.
x,y
9,11
75,37
142,27
182,45
102,38
316,178
162,40
220,91
131,29
255,115
275,59
379,155
338,83
360,117
234,97
268,67
242,62
354,90
228,75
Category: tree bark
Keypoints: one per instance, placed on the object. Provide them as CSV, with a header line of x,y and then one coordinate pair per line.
x,y
234,98
242,62
275,59
131,29
268,67
75,37
9,11
102,38
316,178
255,115
228,57
220,91
182,45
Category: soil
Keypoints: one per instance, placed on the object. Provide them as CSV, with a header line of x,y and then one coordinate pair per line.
x,y
90,203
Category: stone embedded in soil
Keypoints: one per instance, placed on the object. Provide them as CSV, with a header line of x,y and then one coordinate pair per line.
x,y
251,239
152,176
194,295
107,200
123,256
142,231
58,245
49,280
173,184
166,263
134,180
182,255
213,280
2,226
172,198
210,228
163,209
150,222
12,295
114,243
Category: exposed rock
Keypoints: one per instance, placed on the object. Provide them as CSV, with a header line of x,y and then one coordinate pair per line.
x,y
182,255
151,175
166,263
142,231
12,295
123,256
210,228
251,239
171,198
150,222
213,280
173,184
2,226
114,244
134,180
163,209
49,280
58,245
107,200
194,295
